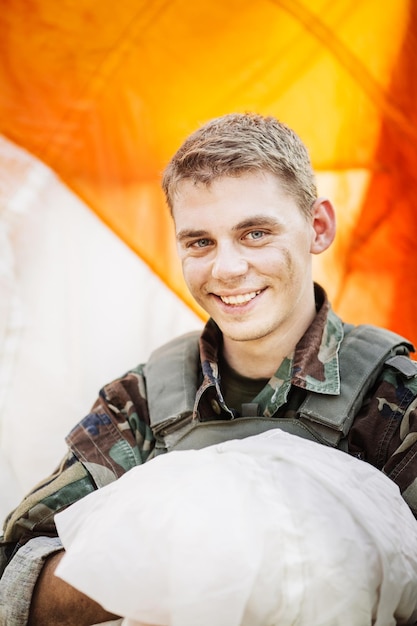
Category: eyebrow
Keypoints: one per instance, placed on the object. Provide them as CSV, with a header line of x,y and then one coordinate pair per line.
x,y
191,234
258,221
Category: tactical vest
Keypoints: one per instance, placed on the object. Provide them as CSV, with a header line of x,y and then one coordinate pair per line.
x,y
172,379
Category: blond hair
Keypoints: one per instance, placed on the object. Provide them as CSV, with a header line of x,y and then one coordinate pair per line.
x,y
240,143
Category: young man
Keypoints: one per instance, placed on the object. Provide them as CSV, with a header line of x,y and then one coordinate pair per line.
x,y
273,354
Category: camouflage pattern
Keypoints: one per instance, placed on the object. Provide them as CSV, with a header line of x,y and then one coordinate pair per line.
x,y
116,435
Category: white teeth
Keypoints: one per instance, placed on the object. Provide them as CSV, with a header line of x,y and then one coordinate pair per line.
x,y
239,299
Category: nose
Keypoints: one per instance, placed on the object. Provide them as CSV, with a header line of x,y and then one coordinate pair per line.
x,y
229,262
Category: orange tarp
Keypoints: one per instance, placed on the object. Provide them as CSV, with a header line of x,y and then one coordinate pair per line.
x,y
104,92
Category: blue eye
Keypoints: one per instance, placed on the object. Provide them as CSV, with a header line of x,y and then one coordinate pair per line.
x,y
256,234
200,243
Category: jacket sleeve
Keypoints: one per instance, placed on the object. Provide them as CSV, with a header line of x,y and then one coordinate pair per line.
x,y
385,431
19,579
114,437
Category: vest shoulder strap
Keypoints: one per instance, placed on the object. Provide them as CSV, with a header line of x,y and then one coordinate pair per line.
x,y
172,379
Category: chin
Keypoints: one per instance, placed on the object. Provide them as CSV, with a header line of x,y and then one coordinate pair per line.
x,y
253,334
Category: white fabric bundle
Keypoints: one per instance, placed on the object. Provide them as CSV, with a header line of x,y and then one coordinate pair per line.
x,y
272,530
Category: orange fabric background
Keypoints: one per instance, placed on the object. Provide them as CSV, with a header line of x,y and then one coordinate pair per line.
x,y
104,93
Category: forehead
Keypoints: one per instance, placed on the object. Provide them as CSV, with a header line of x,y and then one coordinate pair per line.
x,y
229,198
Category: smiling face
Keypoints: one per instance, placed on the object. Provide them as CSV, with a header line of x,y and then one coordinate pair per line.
x,y
245,249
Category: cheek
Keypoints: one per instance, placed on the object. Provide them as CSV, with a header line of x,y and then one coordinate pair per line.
x,y
275,261
193,270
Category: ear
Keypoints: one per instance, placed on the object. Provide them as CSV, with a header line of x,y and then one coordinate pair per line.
x,y
324,225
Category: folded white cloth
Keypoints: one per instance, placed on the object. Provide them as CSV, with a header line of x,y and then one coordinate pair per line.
x,y
272,530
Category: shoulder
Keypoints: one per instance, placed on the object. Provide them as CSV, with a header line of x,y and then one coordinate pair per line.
x,y
179,354
399,372
369,354
128,388
381,349
393,381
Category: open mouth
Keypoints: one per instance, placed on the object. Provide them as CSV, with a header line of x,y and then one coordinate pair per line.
x,y
239,299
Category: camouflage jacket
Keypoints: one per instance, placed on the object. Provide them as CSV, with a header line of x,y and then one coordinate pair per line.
x,y
116,436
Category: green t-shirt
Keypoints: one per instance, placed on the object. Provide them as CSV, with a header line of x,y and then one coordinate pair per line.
x,y
238,389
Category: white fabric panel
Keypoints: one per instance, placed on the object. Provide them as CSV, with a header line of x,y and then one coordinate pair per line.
x,y
271,529
77,309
